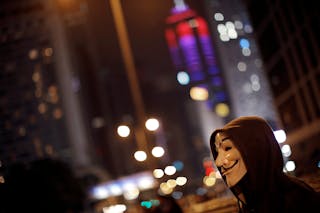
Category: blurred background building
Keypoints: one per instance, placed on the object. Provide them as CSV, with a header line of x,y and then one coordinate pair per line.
x,y
67,68
288,37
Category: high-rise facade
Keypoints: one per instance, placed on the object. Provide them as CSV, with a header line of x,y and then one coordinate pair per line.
x,y
288,36
193,54
43,85
249,89
30,93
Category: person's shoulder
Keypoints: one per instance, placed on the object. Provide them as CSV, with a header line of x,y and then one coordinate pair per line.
x,y
301,196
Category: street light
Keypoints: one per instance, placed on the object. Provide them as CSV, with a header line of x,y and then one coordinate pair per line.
x,y
123,131
157,151
128,59
140,155
152,124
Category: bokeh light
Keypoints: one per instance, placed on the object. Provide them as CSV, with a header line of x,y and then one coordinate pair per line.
x,y
222,109
199,93
183,78
157,151
123,131
152,124
140,156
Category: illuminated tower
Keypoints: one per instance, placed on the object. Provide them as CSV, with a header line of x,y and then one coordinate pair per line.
x,y
243,69
194,58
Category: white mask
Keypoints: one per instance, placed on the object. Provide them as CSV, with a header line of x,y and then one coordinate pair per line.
x,y
229,160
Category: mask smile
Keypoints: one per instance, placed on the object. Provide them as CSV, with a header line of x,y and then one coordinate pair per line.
x,y
228,159
225,170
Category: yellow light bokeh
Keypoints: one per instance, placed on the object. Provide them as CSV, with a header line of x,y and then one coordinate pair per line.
x,y
222,109
199,93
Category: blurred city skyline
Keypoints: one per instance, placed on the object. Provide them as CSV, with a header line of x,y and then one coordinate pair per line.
x,y
65,82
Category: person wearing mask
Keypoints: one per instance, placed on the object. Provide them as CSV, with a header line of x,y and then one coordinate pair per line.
x,y
250,161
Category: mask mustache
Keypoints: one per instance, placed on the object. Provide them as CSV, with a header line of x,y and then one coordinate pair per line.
x,y
223,169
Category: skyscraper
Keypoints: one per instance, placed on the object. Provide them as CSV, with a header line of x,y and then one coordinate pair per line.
x,y
41,110
288,36
248,86
192,52
30,94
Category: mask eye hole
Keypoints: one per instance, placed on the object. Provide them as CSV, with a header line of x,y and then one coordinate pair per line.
x,y
227,148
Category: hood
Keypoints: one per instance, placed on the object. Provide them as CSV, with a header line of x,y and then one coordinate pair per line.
x,y
259,149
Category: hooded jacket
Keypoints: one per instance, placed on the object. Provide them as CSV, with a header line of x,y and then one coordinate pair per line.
x,y
265,186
